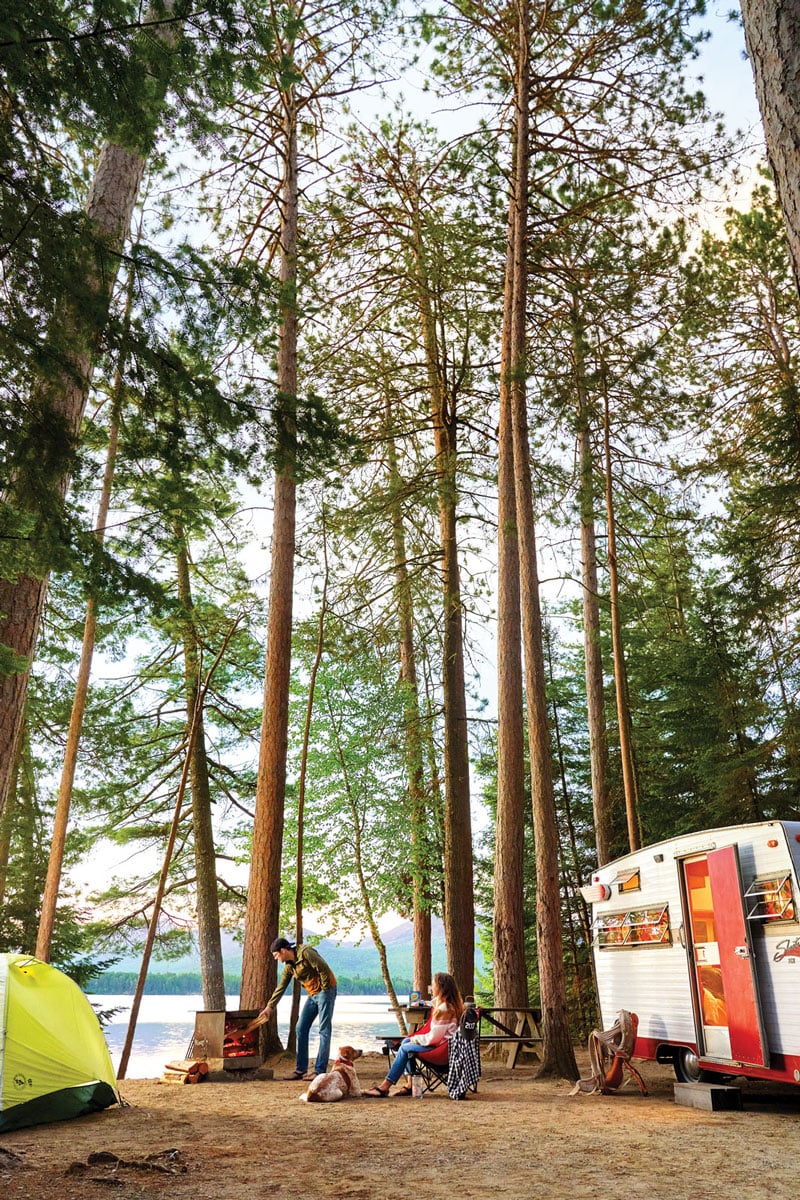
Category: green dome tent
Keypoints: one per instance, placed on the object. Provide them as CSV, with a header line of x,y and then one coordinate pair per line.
x,y
54,1062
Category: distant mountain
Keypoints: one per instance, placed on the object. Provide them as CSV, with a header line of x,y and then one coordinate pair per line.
x,y
355,959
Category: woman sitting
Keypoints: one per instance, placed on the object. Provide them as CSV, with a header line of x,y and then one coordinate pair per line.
x,y
437,1030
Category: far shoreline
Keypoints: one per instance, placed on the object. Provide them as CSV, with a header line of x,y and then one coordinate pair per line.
x,y
189,983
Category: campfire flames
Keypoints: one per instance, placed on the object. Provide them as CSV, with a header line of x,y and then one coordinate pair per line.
x,y
236,1041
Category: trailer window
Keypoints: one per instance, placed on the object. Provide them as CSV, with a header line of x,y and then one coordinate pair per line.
x,y
636,927
770,900
629,881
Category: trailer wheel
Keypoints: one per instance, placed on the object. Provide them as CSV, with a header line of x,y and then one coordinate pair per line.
x,y
687,1067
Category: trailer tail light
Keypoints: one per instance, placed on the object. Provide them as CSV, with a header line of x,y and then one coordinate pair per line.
x,y
772,843
593,893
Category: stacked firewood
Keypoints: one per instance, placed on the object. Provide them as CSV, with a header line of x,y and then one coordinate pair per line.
x,y
185,1070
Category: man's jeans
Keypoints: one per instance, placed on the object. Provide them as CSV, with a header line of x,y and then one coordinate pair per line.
x,y
320,1005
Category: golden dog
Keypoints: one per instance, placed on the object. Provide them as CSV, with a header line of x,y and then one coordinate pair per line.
x,y
338,1083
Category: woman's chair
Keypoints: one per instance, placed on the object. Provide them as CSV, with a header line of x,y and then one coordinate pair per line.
x,y
454,1063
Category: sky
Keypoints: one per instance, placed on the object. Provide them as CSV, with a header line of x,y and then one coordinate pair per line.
x,y
727,77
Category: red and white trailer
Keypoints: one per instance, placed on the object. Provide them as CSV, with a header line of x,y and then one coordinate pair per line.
x,y
700,937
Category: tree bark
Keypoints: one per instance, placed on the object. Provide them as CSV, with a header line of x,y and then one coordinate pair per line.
x,y
61,817
412,724
629,781
363,885
301,783
7,823
459,914
558,1057
264,892
593,660
209,936
772,35
64,801
60,405
510,975
158,900
459,902
572,880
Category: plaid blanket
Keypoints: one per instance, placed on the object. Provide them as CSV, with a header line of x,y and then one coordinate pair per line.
x,y
464,1065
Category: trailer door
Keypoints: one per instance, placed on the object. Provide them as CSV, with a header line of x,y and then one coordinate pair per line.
x,y
736,959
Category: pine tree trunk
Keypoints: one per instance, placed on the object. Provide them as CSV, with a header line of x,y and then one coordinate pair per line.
x,y
772,34
57,403
458,879
572,880
8,810
61,404
558,1057
264,891
6,827
64,801
61,818
358,865
436,806
459,902
27,833
412,724
629,781
510,975
291,1042
593,661
205,855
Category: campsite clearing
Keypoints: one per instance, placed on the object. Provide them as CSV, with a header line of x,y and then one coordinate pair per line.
x,y
516,1139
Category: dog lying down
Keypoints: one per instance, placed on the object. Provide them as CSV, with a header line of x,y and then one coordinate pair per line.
x,y
338,1083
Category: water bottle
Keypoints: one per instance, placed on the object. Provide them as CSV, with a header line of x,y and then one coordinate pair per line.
x,y
417,1087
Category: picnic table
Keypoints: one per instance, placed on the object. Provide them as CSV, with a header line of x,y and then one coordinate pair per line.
x,y
518,1028
415,1015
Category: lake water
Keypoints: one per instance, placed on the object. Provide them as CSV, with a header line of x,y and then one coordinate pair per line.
x,y
166,1024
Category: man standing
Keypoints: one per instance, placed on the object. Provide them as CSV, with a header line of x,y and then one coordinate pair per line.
x,y
313,973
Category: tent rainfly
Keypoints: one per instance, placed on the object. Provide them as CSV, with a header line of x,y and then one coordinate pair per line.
x,y
54,1062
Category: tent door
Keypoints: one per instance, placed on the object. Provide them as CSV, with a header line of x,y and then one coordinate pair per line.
x,y
728,1012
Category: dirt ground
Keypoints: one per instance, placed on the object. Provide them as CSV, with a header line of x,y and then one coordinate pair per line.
x,y
515,1138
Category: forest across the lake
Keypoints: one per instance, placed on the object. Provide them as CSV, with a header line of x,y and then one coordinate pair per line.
x,y
188,983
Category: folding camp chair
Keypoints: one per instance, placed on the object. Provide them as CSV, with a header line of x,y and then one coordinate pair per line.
x,y
455,1064
431,1064
610,1055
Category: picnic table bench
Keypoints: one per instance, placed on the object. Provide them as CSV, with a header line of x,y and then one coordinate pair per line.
x,y
518,1028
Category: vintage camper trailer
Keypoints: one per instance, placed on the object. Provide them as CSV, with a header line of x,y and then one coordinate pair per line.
x,y
700,937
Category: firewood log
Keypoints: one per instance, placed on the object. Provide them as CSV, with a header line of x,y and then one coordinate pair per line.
x,y
254,1024
189,1066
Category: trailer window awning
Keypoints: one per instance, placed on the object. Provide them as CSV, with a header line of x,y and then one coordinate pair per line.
x,y
637,927
771,899
628,880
